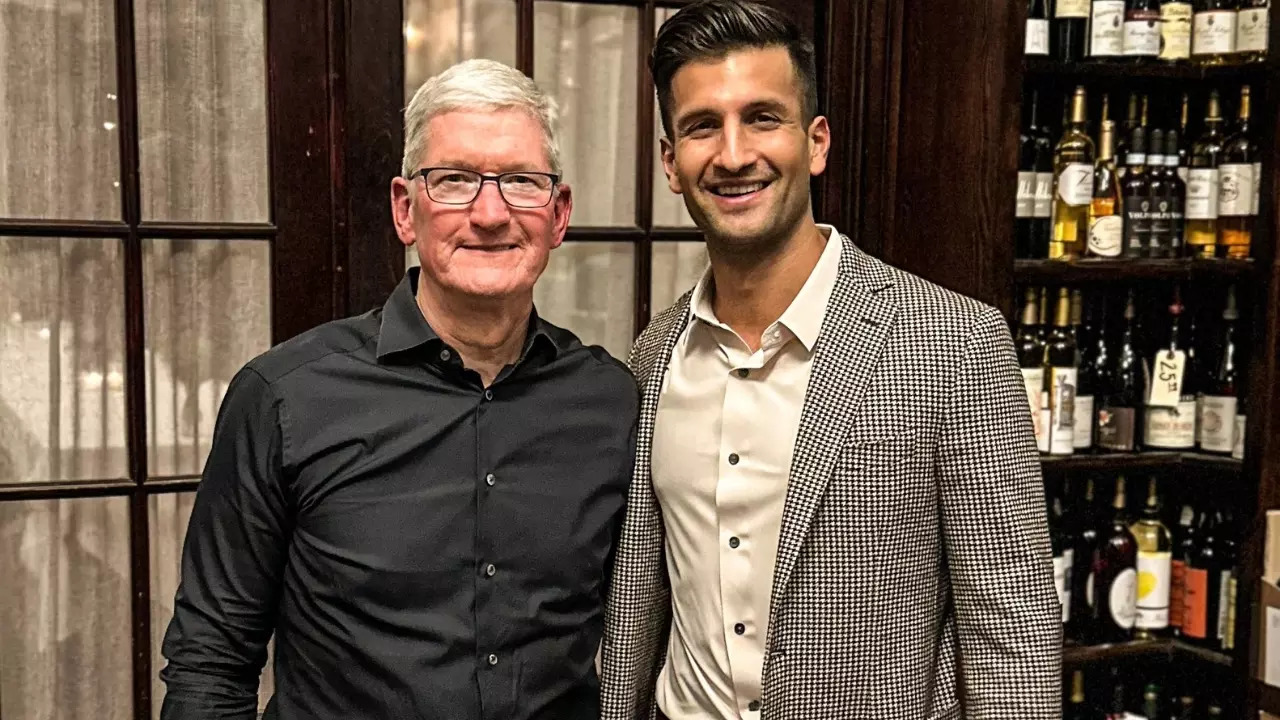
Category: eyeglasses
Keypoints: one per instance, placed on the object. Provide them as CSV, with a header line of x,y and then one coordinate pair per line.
x,y
455,186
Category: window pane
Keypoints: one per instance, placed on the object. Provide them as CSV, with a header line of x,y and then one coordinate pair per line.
x,y
440,33
668,208
677,267
586,56
62,413
169,514
202,110
64,613
589,288
58,112
208,312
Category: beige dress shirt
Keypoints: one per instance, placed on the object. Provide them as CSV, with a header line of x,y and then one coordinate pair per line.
x,y
722,446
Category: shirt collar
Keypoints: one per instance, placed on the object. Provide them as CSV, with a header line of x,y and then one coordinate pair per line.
x,y
804,316
404,327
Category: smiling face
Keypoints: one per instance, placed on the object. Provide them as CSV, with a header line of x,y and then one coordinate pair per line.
x,y
742,154
486,249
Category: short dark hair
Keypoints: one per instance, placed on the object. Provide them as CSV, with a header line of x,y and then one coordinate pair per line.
x,y
711,29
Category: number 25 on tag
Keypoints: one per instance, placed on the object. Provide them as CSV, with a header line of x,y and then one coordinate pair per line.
x,y
1166,385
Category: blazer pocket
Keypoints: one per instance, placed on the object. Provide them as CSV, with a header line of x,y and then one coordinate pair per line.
x,y
881,452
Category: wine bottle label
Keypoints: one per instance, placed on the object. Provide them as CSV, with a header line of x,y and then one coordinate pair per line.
x,y
1062,398
1175,31
1042,442
1123,598
1172,428
1229,637
1224,603
1142,33
1237,447
1257,185
1037,37
1202,194
1235,189
1106,26
1217,423
1177,591
1033,379
1162,231
1195,603
1083,438
1116,428
1062,581
1075,184
1251,30
1072,9
1214,32
1184,173
1026,206
1044,195
1105,236
1154,581
1166,386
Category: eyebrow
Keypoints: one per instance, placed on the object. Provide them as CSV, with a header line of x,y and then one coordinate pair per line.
x,y
774,106
502,167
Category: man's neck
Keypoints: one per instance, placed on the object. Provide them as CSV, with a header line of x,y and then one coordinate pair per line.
x,y
489,334
751,291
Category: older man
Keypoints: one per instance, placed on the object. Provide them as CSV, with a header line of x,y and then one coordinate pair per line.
x,y
420,502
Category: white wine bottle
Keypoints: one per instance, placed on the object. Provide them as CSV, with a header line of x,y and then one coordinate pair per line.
x,y
1155,568
1061,366
1072,184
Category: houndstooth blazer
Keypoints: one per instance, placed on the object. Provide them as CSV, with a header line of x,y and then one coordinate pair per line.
x,y
913,577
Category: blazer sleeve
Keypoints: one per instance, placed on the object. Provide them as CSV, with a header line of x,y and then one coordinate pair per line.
x,y
996,538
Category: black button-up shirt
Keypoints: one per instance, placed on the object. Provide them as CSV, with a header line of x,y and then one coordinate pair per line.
x,y
422,547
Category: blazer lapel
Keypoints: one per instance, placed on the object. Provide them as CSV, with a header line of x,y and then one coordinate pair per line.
x,y
859,317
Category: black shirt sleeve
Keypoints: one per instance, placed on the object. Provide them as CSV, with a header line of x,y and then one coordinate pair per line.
x,y
232,563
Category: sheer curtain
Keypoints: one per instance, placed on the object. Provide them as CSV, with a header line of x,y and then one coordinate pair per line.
x,y
587,57
65,615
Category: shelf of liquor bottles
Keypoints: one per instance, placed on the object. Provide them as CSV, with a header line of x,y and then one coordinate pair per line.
x,y
1110,270
1056,71
1075,654
1150,461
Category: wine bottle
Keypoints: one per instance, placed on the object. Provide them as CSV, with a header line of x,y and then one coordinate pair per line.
x,y
1042,208
1155,559
1214,33
1126,131
1236,208
1086,376
1061,369
1227,578
1242,412
1184,546
1135,191
1077,709
1171,405
1024,207
1203,584
1073,184
1173,198
1203,183
1186,708
1141,30
1218,411
1031,361
1085,530
1251,30
1120,418
1116,710
1070,21
1184,141
1106,228
1037,41
1175,30
1115,575
1060,541
1106,29
1160,241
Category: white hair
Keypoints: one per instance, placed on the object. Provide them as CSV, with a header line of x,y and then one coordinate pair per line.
x,y
477,85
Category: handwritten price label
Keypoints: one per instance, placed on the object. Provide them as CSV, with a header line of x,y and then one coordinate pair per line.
x,y
1166,381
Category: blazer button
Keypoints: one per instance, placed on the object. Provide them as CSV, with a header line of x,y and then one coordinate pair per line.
x,y
493,659
733,458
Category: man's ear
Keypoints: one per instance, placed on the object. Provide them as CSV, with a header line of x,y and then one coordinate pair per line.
x,y
561,209
669,164
402,210
819,145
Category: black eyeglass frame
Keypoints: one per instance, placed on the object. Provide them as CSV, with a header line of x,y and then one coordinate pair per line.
x,y
495,179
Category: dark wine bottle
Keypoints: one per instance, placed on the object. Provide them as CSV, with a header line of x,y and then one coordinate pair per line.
x,y
1070,26
1218,407
1085,525
1171,407
1135,191
1184,545
1115,576
1037,40
1086,375
1120,417
1203,585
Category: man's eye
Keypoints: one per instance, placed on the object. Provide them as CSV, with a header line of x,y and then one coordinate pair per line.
x,y
767,119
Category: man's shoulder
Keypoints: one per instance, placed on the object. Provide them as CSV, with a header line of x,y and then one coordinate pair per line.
x,y
343,337
931,306
593,359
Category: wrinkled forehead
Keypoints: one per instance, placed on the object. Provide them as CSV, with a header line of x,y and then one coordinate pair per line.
x,y
486,140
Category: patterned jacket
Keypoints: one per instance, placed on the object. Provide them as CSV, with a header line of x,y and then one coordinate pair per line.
x,y
913,577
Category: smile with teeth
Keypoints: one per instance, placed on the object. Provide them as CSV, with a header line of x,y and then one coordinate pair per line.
x,y
736,190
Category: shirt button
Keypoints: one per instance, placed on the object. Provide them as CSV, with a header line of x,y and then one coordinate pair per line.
x,y
493,659
753,706
734,542
739,629
490,479
488,394
445,355
743,372
733,458
490,570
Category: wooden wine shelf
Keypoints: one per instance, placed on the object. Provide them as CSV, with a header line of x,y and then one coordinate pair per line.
x,y
1095,270
1110,69
1074,654
1130,462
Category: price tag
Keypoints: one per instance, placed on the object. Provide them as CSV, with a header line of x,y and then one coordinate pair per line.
x,y
1166,380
